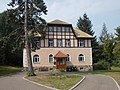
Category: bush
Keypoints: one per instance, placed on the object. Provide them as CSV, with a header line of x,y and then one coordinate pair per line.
x,y
30,73
100,65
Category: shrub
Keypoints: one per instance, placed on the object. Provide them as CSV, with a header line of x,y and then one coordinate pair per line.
x,y
100,65
30,73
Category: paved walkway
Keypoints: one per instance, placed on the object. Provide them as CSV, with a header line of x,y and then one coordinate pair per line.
x,y
97,82
16,82
92,82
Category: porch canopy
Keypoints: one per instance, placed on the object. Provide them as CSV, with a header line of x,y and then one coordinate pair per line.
x,y
60,55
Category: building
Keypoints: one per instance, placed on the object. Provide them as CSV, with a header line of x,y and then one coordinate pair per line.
x,y
62,47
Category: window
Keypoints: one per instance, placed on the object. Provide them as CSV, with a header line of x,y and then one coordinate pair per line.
x,y
81,43
68,58
67,43
59,43
51,58
38,44
51,43
59,29
50,28
36,59
67,29
81,58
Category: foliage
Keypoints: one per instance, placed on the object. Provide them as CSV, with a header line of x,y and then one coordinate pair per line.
x,y
30,73
85,25
104,34
9,54
6,70
100,65
116,50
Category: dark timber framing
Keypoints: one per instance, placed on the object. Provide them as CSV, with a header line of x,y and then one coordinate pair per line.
x,y
63,36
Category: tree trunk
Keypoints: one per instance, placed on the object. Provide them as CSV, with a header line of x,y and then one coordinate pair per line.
x,y
27,43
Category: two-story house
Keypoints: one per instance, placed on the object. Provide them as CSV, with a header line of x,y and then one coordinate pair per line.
x,y
62,47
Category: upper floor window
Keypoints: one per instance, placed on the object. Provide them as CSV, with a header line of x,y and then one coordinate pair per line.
x,y
67,29
67,42
50,28
68,58
51,60
81,58
81,43
58,29
51,42
36,59
38,44
59,43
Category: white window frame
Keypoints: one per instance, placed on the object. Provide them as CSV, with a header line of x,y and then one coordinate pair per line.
x,y
82,57
49,58
36,57
38,44
59,43
51,43
81,43
67,43
68,57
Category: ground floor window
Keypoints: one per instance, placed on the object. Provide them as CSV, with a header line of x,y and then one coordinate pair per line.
x,y
81,57
51,58
36,59
68,58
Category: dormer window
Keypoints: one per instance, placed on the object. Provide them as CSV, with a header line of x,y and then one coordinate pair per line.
x,y
59,29
81,43
50,29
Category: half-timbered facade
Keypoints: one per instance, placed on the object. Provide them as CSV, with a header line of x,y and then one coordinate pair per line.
x,y
62,47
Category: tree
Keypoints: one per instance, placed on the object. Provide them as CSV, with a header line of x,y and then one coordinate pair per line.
x,y
108,49
85,25
104,34
106,41
31,10
116,50
8,48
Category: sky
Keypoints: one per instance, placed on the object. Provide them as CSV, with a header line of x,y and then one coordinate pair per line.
x,y
98,11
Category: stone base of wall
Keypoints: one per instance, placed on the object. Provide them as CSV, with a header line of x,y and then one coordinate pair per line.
x,y
69,68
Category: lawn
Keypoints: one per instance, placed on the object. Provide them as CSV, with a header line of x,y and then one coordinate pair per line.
x,y
59,81
5,70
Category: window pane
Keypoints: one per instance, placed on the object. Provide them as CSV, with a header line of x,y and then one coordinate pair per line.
x,y
59,29
67,29
59,43
50,28
81,43
67,43
51,58
35,59
51,43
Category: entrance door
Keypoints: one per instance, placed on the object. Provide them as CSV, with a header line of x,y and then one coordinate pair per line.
x,y
61,63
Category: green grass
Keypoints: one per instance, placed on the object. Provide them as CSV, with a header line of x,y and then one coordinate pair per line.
x,y
5,70
59,81
115,73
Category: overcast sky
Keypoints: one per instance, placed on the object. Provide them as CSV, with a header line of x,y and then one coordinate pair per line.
x,y
98,11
